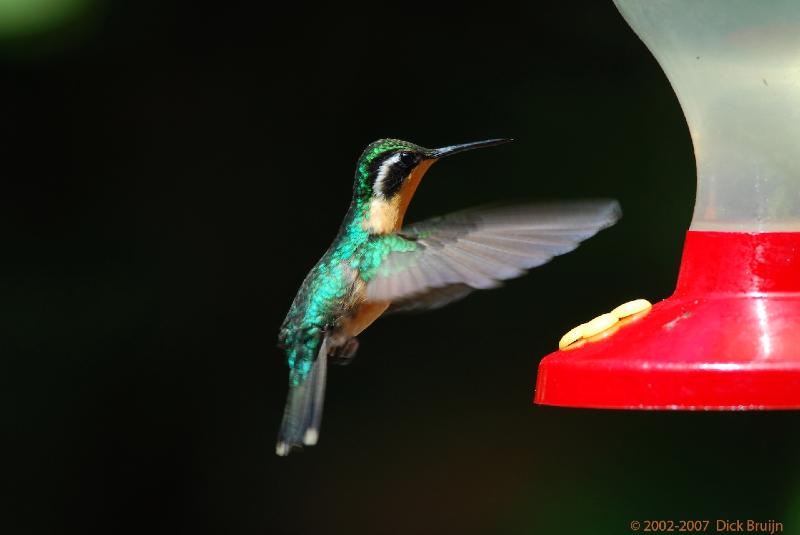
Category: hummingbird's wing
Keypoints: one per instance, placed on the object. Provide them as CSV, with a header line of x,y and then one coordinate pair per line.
x,y
445,258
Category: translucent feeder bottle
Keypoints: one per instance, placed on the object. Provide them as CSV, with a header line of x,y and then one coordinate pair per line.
x,y
729,337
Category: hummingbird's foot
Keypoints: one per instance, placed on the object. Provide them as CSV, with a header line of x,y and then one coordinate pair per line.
x,y
343,355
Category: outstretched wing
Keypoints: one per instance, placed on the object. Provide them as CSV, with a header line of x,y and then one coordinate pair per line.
x,y
448,257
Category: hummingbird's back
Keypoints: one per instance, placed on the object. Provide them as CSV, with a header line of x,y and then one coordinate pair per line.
x,y
321,300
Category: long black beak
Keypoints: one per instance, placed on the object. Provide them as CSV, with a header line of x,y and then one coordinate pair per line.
x,y
455,149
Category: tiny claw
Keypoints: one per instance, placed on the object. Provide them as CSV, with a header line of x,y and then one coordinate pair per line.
x,y
345,353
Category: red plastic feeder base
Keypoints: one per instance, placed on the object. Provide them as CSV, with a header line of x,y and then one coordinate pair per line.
x,y
727,339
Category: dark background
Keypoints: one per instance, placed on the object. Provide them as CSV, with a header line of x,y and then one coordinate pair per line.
x,y
172,170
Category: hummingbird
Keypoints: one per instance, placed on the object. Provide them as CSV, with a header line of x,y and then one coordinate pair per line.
x,y
377,265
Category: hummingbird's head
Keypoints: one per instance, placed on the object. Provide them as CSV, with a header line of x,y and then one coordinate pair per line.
x,y
388,173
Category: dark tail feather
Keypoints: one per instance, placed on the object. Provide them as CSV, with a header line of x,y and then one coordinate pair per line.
x,y
303,413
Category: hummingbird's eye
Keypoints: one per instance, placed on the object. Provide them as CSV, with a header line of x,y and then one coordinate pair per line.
x,y
408,159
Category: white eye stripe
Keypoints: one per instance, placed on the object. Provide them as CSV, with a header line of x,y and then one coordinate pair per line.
x,y
383,171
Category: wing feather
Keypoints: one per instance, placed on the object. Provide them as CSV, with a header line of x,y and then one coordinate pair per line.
x,y
479,248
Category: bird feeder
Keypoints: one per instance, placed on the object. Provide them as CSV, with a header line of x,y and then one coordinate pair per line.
x,y
729,336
